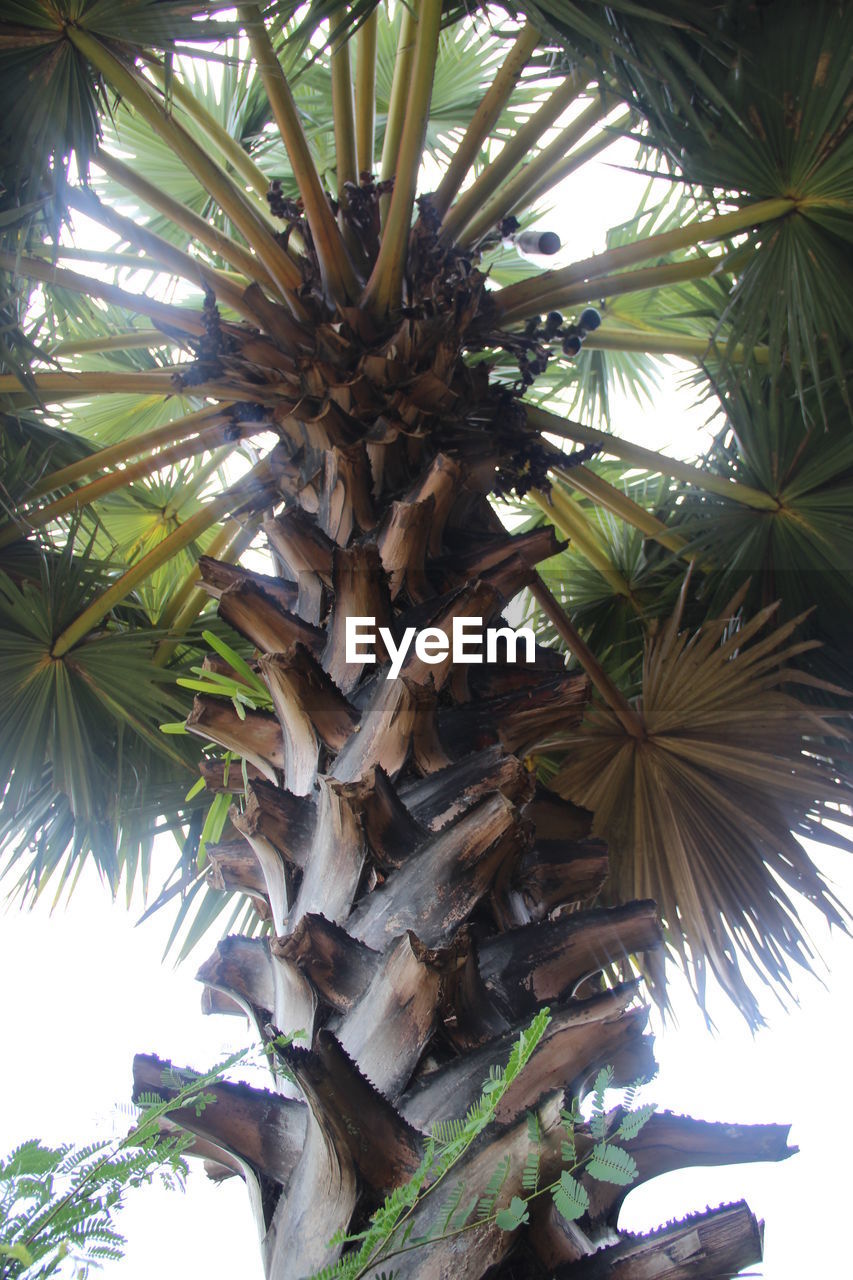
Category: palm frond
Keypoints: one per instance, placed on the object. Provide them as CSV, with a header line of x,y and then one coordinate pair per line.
x,y
801,550
81,734
51,98
788,133
704,808
29,448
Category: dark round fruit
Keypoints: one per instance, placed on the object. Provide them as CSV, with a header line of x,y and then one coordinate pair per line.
x,y
589,319
571,345
549,242
546,242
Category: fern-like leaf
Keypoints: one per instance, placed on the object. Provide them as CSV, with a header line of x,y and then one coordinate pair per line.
x,y
446,1132
629,1095
610,1163
451,1205
532,1165
486,1206
633,1122
598,1119
571,1198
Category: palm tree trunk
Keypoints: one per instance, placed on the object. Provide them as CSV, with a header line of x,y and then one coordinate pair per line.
x,y
427,895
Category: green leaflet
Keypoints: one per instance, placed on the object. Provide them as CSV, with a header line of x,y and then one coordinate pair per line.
x,y
486,1206
512,1217
571,1197
598,1121
239,664
214,823
610,1163
634,1121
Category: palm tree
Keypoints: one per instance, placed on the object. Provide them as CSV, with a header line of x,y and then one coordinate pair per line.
x,y
420,889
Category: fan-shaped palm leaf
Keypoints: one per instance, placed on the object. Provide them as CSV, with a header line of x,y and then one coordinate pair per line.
x,y
53,92
68,722
703,806
801,549
29,448
788,134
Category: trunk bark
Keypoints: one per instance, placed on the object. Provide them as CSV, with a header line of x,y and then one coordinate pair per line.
x,y
427,896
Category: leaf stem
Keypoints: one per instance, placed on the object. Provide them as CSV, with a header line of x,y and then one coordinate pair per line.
x,y
240,161
398,99
162,313
195,227
162,254
524,299
131,340
594,486
613,697
170,433
575,159
189,600
343,115
71,385
743,494
230,501
383,293
136,92
208,438
688,346
611,286
365,93
335,266
575,526
512,154
515,194
485,117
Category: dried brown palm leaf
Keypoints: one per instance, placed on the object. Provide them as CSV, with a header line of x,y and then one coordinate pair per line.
x,y
701,808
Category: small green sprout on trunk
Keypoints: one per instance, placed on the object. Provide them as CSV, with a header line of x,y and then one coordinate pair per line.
x,y
391,1228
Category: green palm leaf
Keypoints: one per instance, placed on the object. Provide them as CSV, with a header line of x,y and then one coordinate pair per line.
x,y
29,448
613,623
70,725
134,520
801,551
50,97
788,134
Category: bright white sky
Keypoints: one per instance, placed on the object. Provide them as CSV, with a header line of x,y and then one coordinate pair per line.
x,y
83,990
